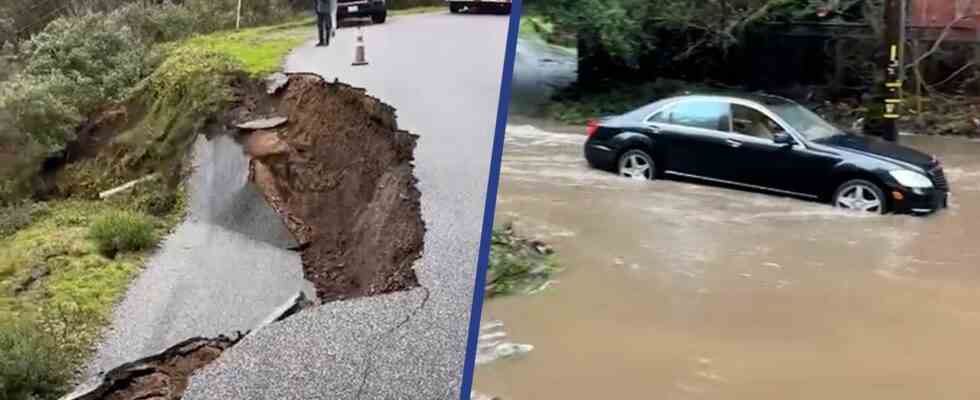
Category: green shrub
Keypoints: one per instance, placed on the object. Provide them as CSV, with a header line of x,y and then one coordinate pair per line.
x,y
42,107
75,67
158,23
122,231
31,365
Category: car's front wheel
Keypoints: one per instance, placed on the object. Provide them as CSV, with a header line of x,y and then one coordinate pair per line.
x,y
637,164
860,195
380,17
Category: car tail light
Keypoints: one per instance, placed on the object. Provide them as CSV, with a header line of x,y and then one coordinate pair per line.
x,y
591,127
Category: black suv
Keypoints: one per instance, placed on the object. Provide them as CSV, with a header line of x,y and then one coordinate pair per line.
x,y
766,143
376,9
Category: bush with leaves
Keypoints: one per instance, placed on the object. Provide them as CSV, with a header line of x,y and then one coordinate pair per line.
x,y
158,23
122,231
31,363
74,67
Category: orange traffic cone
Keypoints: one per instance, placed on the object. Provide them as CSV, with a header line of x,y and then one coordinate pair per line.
x,y
359,58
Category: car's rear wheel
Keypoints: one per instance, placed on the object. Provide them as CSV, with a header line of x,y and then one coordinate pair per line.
x,y
860,195
455,8
637,164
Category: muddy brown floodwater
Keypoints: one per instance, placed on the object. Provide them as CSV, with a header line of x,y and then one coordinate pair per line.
x,y
681,291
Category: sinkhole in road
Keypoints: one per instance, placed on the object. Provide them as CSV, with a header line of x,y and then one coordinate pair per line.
x,y
330,160
340,173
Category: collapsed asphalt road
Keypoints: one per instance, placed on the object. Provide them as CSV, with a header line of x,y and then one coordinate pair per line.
x,y
222,270
442,73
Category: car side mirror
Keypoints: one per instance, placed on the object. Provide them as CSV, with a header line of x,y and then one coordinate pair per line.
x,y
783,139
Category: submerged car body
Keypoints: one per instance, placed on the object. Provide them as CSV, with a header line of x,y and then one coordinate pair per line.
x,y
770,144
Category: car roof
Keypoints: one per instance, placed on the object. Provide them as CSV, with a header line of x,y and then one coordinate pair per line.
x,y
641,113
758,97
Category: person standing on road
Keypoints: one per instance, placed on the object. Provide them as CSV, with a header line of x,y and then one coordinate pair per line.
x,y
326,20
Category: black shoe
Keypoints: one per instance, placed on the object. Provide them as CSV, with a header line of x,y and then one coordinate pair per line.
x,y
320,44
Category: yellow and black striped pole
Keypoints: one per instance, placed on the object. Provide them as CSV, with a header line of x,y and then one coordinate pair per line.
x,y
894,68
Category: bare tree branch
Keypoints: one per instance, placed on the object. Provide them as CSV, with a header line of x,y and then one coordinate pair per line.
x,y
729,31
942,37
955,74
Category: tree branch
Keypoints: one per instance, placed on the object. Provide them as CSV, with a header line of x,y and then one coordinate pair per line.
x,y
955,74
942,37
729,31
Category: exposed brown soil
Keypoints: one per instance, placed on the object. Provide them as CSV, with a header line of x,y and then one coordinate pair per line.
x,y
163,376
341,175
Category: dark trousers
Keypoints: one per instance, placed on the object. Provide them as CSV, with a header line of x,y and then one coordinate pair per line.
x,y
323,26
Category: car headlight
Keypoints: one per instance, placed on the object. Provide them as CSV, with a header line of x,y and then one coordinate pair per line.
x,y
911,179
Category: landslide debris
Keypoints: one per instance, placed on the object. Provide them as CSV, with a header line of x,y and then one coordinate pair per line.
x,y
517,264
340,173
162,376
166,375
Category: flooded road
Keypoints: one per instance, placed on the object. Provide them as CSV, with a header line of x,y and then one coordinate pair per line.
x,y
675,290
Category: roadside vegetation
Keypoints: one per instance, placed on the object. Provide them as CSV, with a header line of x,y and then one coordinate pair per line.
x,y
518,265
628,50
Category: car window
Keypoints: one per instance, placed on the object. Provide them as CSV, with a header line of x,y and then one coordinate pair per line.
x,y
805,122
751,122
701,114
662,116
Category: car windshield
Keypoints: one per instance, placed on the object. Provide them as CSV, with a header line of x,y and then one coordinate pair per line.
x,y
806,122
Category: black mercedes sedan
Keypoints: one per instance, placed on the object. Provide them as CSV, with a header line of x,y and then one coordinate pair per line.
x,y
766,143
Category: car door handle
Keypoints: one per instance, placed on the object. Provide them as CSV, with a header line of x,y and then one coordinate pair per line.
x,y
653,128
733,143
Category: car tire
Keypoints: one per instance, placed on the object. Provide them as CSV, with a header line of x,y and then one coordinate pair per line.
x,y
380,17
636,164
505,10
455,8
860,195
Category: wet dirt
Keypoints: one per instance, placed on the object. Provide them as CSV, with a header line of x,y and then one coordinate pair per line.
x,y
341,175
676,290
162,376
167,374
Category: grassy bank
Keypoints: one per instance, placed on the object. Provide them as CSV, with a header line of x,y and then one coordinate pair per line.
x,y
62,268
517,265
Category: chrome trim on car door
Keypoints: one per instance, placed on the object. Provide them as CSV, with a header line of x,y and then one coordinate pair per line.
x,y
704,178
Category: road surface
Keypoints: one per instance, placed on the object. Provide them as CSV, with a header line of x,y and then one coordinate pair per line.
x,y
223,269
442,73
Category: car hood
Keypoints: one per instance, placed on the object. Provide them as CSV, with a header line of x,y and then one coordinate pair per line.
x,y
881,150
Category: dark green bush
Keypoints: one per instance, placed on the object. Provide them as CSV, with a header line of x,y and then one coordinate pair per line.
x,y
122,231
75,67
158,23
31,364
